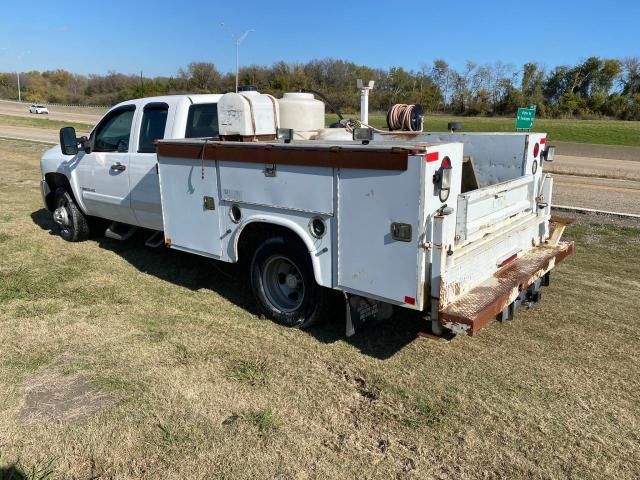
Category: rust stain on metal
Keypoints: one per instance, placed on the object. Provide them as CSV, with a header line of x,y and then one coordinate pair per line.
x,y
480,306
449,292
280,154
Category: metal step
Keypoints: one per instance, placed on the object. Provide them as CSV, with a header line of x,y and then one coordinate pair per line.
x,y
155,240
120,231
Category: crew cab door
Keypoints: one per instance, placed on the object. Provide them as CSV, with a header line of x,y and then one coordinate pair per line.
x,y
156,121
103,174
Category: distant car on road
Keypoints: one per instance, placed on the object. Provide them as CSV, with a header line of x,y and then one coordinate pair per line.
x,y
38,109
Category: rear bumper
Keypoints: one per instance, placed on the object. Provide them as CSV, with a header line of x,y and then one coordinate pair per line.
x,y
481,305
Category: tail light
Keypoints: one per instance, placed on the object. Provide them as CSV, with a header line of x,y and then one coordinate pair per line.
x,y
444,178
549,153
536,150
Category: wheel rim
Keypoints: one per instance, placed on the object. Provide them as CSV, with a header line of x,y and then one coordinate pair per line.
x,y
283,284
62,216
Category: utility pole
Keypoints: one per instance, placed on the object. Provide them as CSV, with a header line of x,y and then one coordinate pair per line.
x,y
141,84
238,40
19,57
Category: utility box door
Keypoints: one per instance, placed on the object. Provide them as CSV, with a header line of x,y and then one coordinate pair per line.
x,y
370,261
190,209
291,187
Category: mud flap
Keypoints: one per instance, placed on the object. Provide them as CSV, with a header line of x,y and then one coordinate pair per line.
x,y
363,311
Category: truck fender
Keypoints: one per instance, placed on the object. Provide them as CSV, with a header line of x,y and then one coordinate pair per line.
x,y
299,231
65,179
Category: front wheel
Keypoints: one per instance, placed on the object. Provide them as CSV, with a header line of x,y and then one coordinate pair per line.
x,y
283,283
70,221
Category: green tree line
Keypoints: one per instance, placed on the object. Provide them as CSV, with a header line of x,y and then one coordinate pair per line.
x,y
595,87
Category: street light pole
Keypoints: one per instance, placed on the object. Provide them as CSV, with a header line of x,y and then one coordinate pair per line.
x,y
22,54
238,42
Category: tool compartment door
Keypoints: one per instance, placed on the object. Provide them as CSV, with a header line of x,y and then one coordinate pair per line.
x,y
190,209
370,262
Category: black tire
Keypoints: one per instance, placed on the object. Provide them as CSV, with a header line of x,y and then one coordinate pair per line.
x,y
71,223
307,303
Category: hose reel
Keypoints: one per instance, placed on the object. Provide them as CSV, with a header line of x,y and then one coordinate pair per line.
x,y
409,118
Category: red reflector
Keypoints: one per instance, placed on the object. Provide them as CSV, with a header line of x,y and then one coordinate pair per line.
x,y
446,163
410,300
536,150
508,260
432,157
543,141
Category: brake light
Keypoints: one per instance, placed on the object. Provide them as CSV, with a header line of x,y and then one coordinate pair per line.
x,y
536,150
543,141
432,157
445,178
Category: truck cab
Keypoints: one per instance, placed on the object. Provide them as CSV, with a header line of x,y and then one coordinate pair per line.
x,y
114,176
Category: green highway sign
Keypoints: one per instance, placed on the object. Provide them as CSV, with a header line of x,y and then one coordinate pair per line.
x,y
525,118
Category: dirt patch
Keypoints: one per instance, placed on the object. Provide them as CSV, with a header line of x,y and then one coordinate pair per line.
x,y
63,398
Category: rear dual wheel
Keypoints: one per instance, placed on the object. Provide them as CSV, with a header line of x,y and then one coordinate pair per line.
x,y
283,283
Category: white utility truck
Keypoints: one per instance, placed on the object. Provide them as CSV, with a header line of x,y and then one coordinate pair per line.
x,y
454,225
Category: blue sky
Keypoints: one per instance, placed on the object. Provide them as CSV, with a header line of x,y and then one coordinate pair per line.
x,y
158,37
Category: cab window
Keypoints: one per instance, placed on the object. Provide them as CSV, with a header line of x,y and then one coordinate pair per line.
x,y
113,134
154,121
202,121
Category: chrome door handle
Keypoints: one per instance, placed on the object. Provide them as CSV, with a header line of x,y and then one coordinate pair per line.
x,y
118,167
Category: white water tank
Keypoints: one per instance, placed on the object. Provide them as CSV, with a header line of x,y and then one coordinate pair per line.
x,y
248,114
301,112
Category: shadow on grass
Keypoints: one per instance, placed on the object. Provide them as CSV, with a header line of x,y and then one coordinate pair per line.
x,y
380,339
12,472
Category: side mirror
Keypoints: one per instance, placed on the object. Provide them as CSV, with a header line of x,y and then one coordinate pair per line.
x,y
68,141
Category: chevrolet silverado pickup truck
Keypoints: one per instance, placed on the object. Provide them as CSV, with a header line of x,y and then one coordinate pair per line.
x,y
114,176
456,226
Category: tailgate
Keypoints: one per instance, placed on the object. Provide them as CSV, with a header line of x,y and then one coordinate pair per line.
x,y
486,210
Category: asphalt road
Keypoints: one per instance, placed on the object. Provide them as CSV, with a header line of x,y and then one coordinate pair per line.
x,y
587,150
612,195
594,167
89,115
44,135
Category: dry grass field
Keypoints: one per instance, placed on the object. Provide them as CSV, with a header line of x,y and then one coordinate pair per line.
x,y
117,361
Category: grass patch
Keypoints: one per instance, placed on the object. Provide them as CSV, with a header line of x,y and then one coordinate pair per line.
x,y
252,372
263,420
205,389
606,132
42,122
